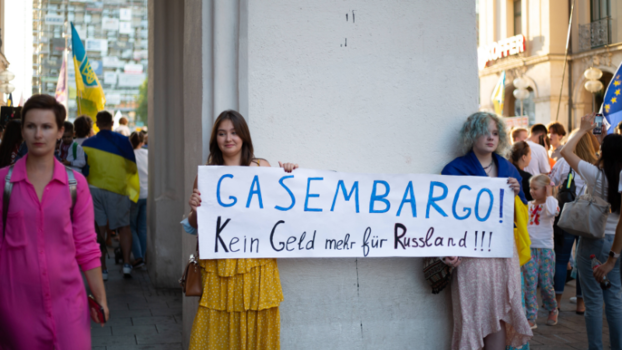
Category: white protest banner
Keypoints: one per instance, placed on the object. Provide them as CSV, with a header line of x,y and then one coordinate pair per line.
x,y
257,212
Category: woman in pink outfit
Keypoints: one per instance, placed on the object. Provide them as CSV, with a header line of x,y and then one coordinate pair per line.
x,y
43,303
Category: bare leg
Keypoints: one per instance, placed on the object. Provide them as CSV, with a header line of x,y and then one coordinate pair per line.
x,y
103,230
126,243
496,341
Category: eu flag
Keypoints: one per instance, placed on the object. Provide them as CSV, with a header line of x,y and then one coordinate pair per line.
x,y
612,104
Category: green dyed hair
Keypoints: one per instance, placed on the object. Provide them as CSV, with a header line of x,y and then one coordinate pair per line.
x,y
476,125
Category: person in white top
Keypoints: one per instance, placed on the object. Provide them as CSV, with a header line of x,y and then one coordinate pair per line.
x,y
539,271
123,129
539,156
138,213
598,177
563,247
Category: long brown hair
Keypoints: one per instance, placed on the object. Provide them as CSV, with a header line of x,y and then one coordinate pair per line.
x,y
241,129
585,149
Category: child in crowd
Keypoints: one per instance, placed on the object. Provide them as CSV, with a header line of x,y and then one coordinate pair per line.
x,y
540,270
70,152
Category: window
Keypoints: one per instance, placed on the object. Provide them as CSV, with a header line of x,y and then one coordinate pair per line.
x,y
518,20
600,9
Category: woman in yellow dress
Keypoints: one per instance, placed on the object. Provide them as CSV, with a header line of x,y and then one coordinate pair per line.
x,y
239,308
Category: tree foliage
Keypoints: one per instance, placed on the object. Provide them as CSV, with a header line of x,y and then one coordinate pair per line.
x,y
143,108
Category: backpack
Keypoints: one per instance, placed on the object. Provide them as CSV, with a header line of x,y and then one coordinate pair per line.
x,y
8,188
86,168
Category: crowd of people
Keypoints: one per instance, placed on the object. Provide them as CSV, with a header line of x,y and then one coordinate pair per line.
x,y
67,188
551,174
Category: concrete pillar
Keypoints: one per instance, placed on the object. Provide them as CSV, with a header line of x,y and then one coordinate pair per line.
x,y
166,142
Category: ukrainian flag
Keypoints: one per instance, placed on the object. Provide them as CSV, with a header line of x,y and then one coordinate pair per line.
x,y
612,104
89,93
498,95
112,164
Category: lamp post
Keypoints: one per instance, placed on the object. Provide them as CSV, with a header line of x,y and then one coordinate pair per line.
x,y
521,92
593,85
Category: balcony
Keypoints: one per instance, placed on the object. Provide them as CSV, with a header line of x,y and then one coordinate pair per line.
x,y
595,34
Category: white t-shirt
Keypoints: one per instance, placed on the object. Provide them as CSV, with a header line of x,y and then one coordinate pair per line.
x,y
594,178
142,162
540,226
539,163
123,130
559,174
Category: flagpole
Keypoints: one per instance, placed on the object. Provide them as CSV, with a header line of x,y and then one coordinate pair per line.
x,y
561,88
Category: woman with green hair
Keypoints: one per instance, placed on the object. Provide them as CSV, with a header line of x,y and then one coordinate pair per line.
x,y
486,295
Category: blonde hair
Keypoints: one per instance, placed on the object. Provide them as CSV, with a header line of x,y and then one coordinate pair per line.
x,y
585,149
541,180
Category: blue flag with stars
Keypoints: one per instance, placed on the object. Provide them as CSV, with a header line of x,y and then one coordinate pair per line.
x,y
612,104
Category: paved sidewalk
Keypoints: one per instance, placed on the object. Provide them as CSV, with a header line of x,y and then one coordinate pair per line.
x,y
141,317
569,333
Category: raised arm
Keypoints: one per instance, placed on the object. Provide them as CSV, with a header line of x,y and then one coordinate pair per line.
x,y
587,124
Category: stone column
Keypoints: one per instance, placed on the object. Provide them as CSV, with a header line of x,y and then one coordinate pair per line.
x,y
166,142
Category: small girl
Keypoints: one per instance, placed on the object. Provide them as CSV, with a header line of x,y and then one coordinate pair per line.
x,y
540,270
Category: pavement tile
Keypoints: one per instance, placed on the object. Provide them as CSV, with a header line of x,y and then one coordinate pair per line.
x,y
159,339
113,340
147,347
97,330
131,313
135,330
138,321
166,311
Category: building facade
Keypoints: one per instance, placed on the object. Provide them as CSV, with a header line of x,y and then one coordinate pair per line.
x,y
527,39
115,36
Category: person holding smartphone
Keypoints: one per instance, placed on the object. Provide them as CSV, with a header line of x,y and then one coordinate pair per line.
x,y
47,239
602,180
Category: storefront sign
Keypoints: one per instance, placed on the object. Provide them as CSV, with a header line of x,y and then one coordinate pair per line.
x,y
251,212
503,48
97,45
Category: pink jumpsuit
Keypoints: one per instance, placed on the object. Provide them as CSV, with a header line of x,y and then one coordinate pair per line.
x,y
43,302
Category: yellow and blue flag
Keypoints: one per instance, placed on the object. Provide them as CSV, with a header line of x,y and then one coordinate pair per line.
x,y
612,104
89,93
112,164
498,95
9,101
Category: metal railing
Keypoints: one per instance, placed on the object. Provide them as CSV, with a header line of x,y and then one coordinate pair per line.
x,y
595,34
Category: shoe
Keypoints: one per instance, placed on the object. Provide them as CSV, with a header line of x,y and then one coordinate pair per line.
x,y
533,325
138,263
105,275
127,271
573,300
552,320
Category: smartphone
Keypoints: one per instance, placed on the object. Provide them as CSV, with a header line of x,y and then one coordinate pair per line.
x,y
598,121
93,304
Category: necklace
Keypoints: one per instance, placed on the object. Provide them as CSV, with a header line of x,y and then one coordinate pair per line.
x,y
489,165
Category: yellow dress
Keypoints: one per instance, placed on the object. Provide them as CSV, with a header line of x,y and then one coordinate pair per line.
x,y
239,308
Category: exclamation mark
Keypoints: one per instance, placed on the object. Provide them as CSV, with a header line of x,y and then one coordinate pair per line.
x,y
483,235
501,205
475,240
489,239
